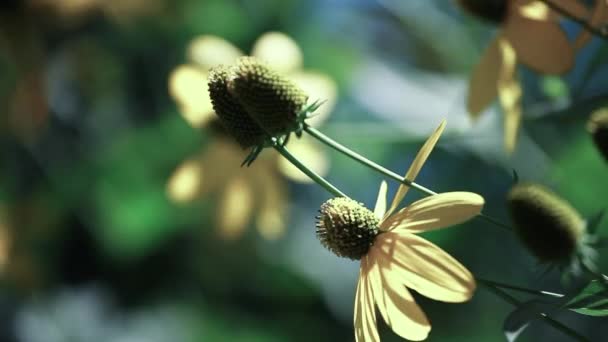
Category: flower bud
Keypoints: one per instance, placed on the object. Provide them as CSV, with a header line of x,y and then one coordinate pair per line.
x,y
493,11
232,115
271,99
346,227
598,127
547,225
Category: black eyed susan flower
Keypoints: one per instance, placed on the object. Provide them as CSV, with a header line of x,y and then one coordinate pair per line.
x,y
393,256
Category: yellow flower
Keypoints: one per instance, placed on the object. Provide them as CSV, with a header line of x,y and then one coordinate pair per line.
x,y
400,259
530,35
259,189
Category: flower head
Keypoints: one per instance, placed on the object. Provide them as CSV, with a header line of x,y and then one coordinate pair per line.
x,y
397,258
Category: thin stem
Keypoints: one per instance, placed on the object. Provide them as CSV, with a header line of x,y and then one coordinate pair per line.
x,y
555,324
310,173
350,153
519,288
557,8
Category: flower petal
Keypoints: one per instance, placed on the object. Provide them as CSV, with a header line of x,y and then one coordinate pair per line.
x,y
271,196
416,166
365,312
188,86
278,50
434,212
208,51
396,304
540,45
184,185
509,94
235,208
318,87
423,267
307,150
380,207
483,81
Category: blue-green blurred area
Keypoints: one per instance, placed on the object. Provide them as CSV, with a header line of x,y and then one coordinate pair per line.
x,y
92,247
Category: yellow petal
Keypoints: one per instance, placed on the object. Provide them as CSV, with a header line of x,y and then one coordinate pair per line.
x,y
423,267
208,51
318,86
365,311
483,81
185,183
535,10
188,86
272,198
540,45
599,17
380,207
235,208
509,94
308,152
395,303
416,166
434,212
280,52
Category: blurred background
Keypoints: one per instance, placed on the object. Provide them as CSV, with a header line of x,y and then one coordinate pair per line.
x,y
124,214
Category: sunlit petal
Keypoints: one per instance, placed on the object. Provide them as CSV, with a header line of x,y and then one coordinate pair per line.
x,y
365,311
535,10
235,208
416,166
185,183
310,153
272,201
483,81
540,45
395,303
599,17
509,94
318,86
438,211
188,86
380,207
423,267
208,51
279,51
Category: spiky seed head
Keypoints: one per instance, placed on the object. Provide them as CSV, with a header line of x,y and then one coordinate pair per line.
x,y
233,116
546,224
271,99
598,127
494,11
346,227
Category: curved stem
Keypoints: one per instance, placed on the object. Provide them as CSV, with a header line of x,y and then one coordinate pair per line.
x,y
557,8
375,166
555,324
519,288
310,173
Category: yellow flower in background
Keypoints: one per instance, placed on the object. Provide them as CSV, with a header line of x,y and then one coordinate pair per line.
x,y
258,191
398,258
529,34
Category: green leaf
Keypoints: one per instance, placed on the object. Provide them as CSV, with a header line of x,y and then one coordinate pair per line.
x,y
591,301
520,318
554,87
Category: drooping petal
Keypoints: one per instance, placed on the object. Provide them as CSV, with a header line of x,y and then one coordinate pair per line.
x,y
540,45
310,153
185,183
272,200
395,303
188,87
509,94
318,87
235,208
423,267
278,50
599,17
416,166
365,311
208,51
434,212
483,81
380,207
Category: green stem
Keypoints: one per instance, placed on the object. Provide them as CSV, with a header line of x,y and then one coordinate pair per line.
x,y
310,173
555,324
598,32
519,288
375,166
